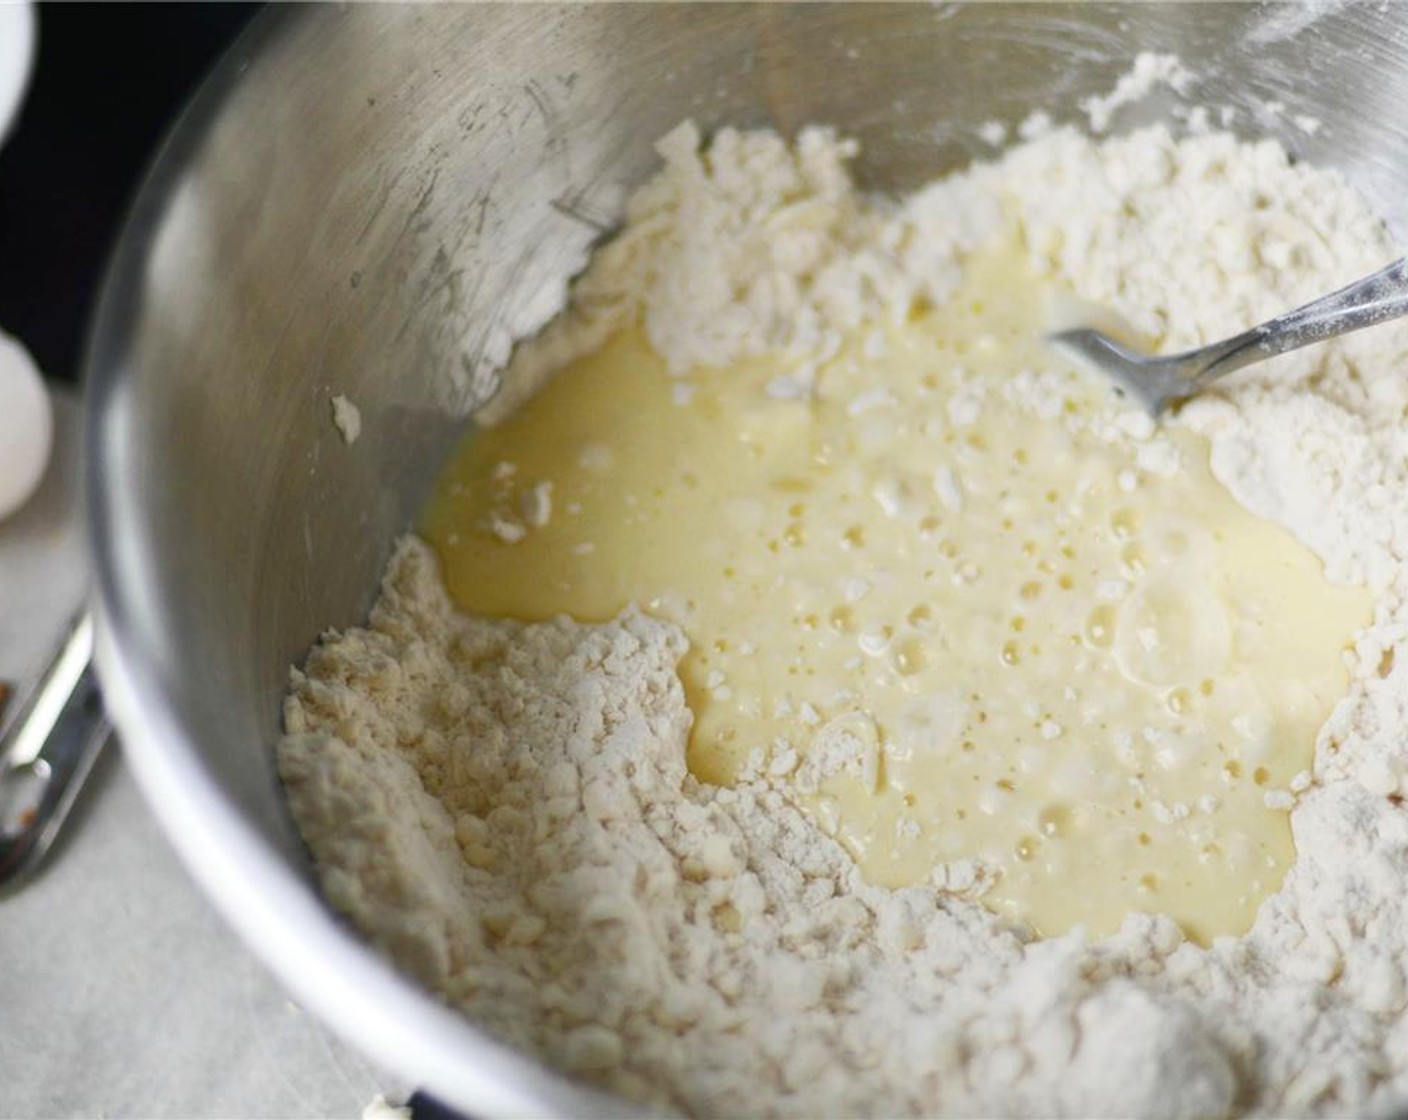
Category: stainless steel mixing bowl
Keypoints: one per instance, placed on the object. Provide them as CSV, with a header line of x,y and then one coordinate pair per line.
x,y
372,201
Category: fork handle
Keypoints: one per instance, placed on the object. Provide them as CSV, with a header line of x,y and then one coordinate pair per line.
x,y
49,747
1373,299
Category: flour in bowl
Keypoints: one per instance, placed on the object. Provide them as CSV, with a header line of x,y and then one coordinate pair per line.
x,y
505,807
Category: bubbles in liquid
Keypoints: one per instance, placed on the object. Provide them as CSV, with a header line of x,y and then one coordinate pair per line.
x,y
843,619
1125,523
1174,542
1100,626
1054,821
910,657
1172,631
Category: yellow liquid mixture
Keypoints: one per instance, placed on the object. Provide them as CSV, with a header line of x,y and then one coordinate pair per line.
x,y
961,625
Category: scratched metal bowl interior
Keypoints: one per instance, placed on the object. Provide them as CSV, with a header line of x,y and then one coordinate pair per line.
x,y
373,201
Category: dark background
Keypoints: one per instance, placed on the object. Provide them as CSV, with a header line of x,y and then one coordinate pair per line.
x,y
108,81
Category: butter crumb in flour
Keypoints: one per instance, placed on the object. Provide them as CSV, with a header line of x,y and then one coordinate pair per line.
x,y
505,807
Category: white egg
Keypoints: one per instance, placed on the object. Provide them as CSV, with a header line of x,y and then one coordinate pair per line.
x,y
17,38
26,426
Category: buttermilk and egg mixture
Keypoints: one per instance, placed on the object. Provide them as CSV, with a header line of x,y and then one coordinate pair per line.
x,y
811,694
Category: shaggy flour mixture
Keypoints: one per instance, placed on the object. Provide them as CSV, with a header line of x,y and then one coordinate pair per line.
x,y
505,807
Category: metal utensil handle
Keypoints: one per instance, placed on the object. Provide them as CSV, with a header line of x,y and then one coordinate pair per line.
x,y
50,745
1373,299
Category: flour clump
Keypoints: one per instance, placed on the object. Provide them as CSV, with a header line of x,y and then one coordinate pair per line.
x,y
505,810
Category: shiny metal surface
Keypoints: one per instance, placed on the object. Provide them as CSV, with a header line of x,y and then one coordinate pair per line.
x,y
1158,382
371,200
47,749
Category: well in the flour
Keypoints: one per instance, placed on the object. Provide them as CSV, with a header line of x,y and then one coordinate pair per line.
x,y
938,602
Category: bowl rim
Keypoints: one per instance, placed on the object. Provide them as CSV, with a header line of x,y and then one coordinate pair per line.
x,y
314,954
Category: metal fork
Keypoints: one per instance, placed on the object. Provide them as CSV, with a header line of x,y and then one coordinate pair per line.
x,y
1159,382
47,749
